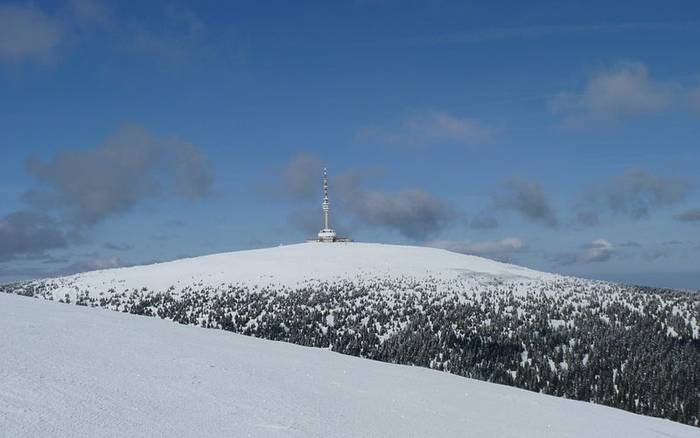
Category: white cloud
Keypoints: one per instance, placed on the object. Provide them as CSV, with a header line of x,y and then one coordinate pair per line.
x,y
622,92
636,194
498,249
414,213
130,166
691,215
34,34
599,250
28,34
428,128
298,179
527,198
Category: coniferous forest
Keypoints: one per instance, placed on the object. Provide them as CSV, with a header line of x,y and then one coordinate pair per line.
x,y
634,348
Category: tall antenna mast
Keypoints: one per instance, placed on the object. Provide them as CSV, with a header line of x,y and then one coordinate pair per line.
x,y
327,234
326,203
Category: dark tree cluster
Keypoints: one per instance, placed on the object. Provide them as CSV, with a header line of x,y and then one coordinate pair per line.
x,y
628,347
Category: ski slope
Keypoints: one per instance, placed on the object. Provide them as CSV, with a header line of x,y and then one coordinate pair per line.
x,y
295,265
77,372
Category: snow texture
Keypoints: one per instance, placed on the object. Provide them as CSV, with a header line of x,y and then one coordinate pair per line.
x,y
296,265
77,372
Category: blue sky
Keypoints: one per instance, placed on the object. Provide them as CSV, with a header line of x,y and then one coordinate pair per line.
x,y
558,135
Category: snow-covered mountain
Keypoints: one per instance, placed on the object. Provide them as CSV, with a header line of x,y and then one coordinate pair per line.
x,y
623,346
71,371
300,264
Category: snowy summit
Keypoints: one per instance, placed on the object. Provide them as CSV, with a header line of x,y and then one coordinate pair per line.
x,y
460,315
296,265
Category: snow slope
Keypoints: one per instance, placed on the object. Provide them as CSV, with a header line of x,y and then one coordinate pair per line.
x,y
80,372
294,265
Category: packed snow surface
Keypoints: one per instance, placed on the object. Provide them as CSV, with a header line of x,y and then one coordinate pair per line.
x,y
294,265
73,371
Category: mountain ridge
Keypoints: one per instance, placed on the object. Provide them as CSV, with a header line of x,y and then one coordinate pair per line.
x,y
292,265
624,346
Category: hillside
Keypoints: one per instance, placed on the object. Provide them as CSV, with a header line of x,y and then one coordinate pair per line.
x,y
71,371
295,265
623,346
